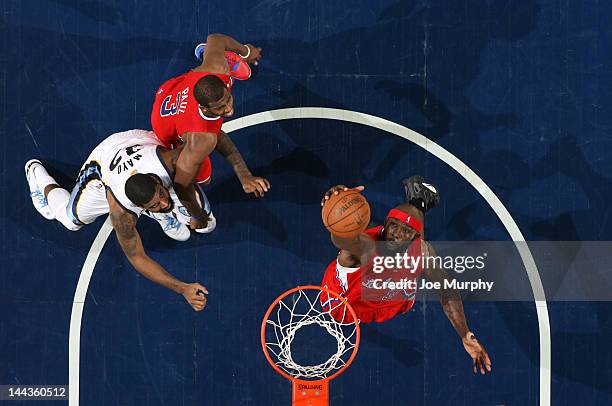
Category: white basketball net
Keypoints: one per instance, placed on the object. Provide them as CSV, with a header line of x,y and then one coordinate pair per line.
x,y
303,308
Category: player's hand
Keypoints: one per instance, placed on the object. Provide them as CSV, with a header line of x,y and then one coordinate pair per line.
x,y
197,223
255,184
480,358
254,56
194,294
336,189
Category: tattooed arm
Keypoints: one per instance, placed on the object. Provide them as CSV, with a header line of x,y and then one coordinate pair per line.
x,y
250,184
124,224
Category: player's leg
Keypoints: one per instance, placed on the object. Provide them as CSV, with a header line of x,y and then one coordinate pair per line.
x,y
38,178
204,179
48,197
59,201
239,69
85,203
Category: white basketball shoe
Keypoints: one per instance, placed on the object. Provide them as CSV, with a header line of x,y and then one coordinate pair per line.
x,y
171,226
36,192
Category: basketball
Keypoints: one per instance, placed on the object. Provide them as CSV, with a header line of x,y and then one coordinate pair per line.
x,y
346,214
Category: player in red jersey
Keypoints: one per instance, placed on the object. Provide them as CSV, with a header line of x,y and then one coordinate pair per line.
x,y
189,109
353,276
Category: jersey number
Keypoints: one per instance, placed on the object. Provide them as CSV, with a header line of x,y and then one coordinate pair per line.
x,y
179,105
130,155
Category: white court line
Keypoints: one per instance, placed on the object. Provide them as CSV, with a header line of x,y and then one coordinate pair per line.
x,y
78,304
371,121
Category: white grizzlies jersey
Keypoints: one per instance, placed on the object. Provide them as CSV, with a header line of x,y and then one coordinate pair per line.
x,y
122,155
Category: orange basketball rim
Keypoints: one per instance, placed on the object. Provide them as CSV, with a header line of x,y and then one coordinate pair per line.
x,y
304,306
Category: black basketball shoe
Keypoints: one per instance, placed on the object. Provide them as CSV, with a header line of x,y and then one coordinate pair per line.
x,y
420,194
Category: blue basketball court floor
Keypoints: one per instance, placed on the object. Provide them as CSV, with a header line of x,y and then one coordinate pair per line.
x,y
518,91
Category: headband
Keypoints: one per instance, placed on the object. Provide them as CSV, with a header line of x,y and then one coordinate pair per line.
x,y
406,219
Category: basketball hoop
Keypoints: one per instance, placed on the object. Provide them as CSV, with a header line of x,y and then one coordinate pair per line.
x,y
309,306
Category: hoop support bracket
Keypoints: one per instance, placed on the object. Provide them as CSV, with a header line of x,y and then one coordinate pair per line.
x,y
310,393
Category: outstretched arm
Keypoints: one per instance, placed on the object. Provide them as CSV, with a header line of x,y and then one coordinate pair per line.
x,y
250,184
453,308
124,224
213,59
353,251
196,148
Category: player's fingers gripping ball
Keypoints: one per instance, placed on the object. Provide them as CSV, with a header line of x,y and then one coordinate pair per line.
x,y
346,214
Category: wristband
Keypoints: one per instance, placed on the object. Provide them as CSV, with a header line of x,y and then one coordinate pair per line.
x,y
248,53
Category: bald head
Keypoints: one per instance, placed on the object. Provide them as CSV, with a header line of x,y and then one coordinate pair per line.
x,y
209,89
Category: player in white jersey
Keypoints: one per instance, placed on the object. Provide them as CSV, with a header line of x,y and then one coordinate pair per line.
x,y
126,175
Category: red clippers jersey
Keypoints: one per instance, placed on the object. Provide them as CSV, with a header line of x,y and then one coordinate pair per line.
x,y
175,110
356,283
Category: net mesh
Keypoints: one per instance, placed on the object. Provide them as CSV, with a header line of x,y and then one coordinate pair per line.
x,y
306,308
